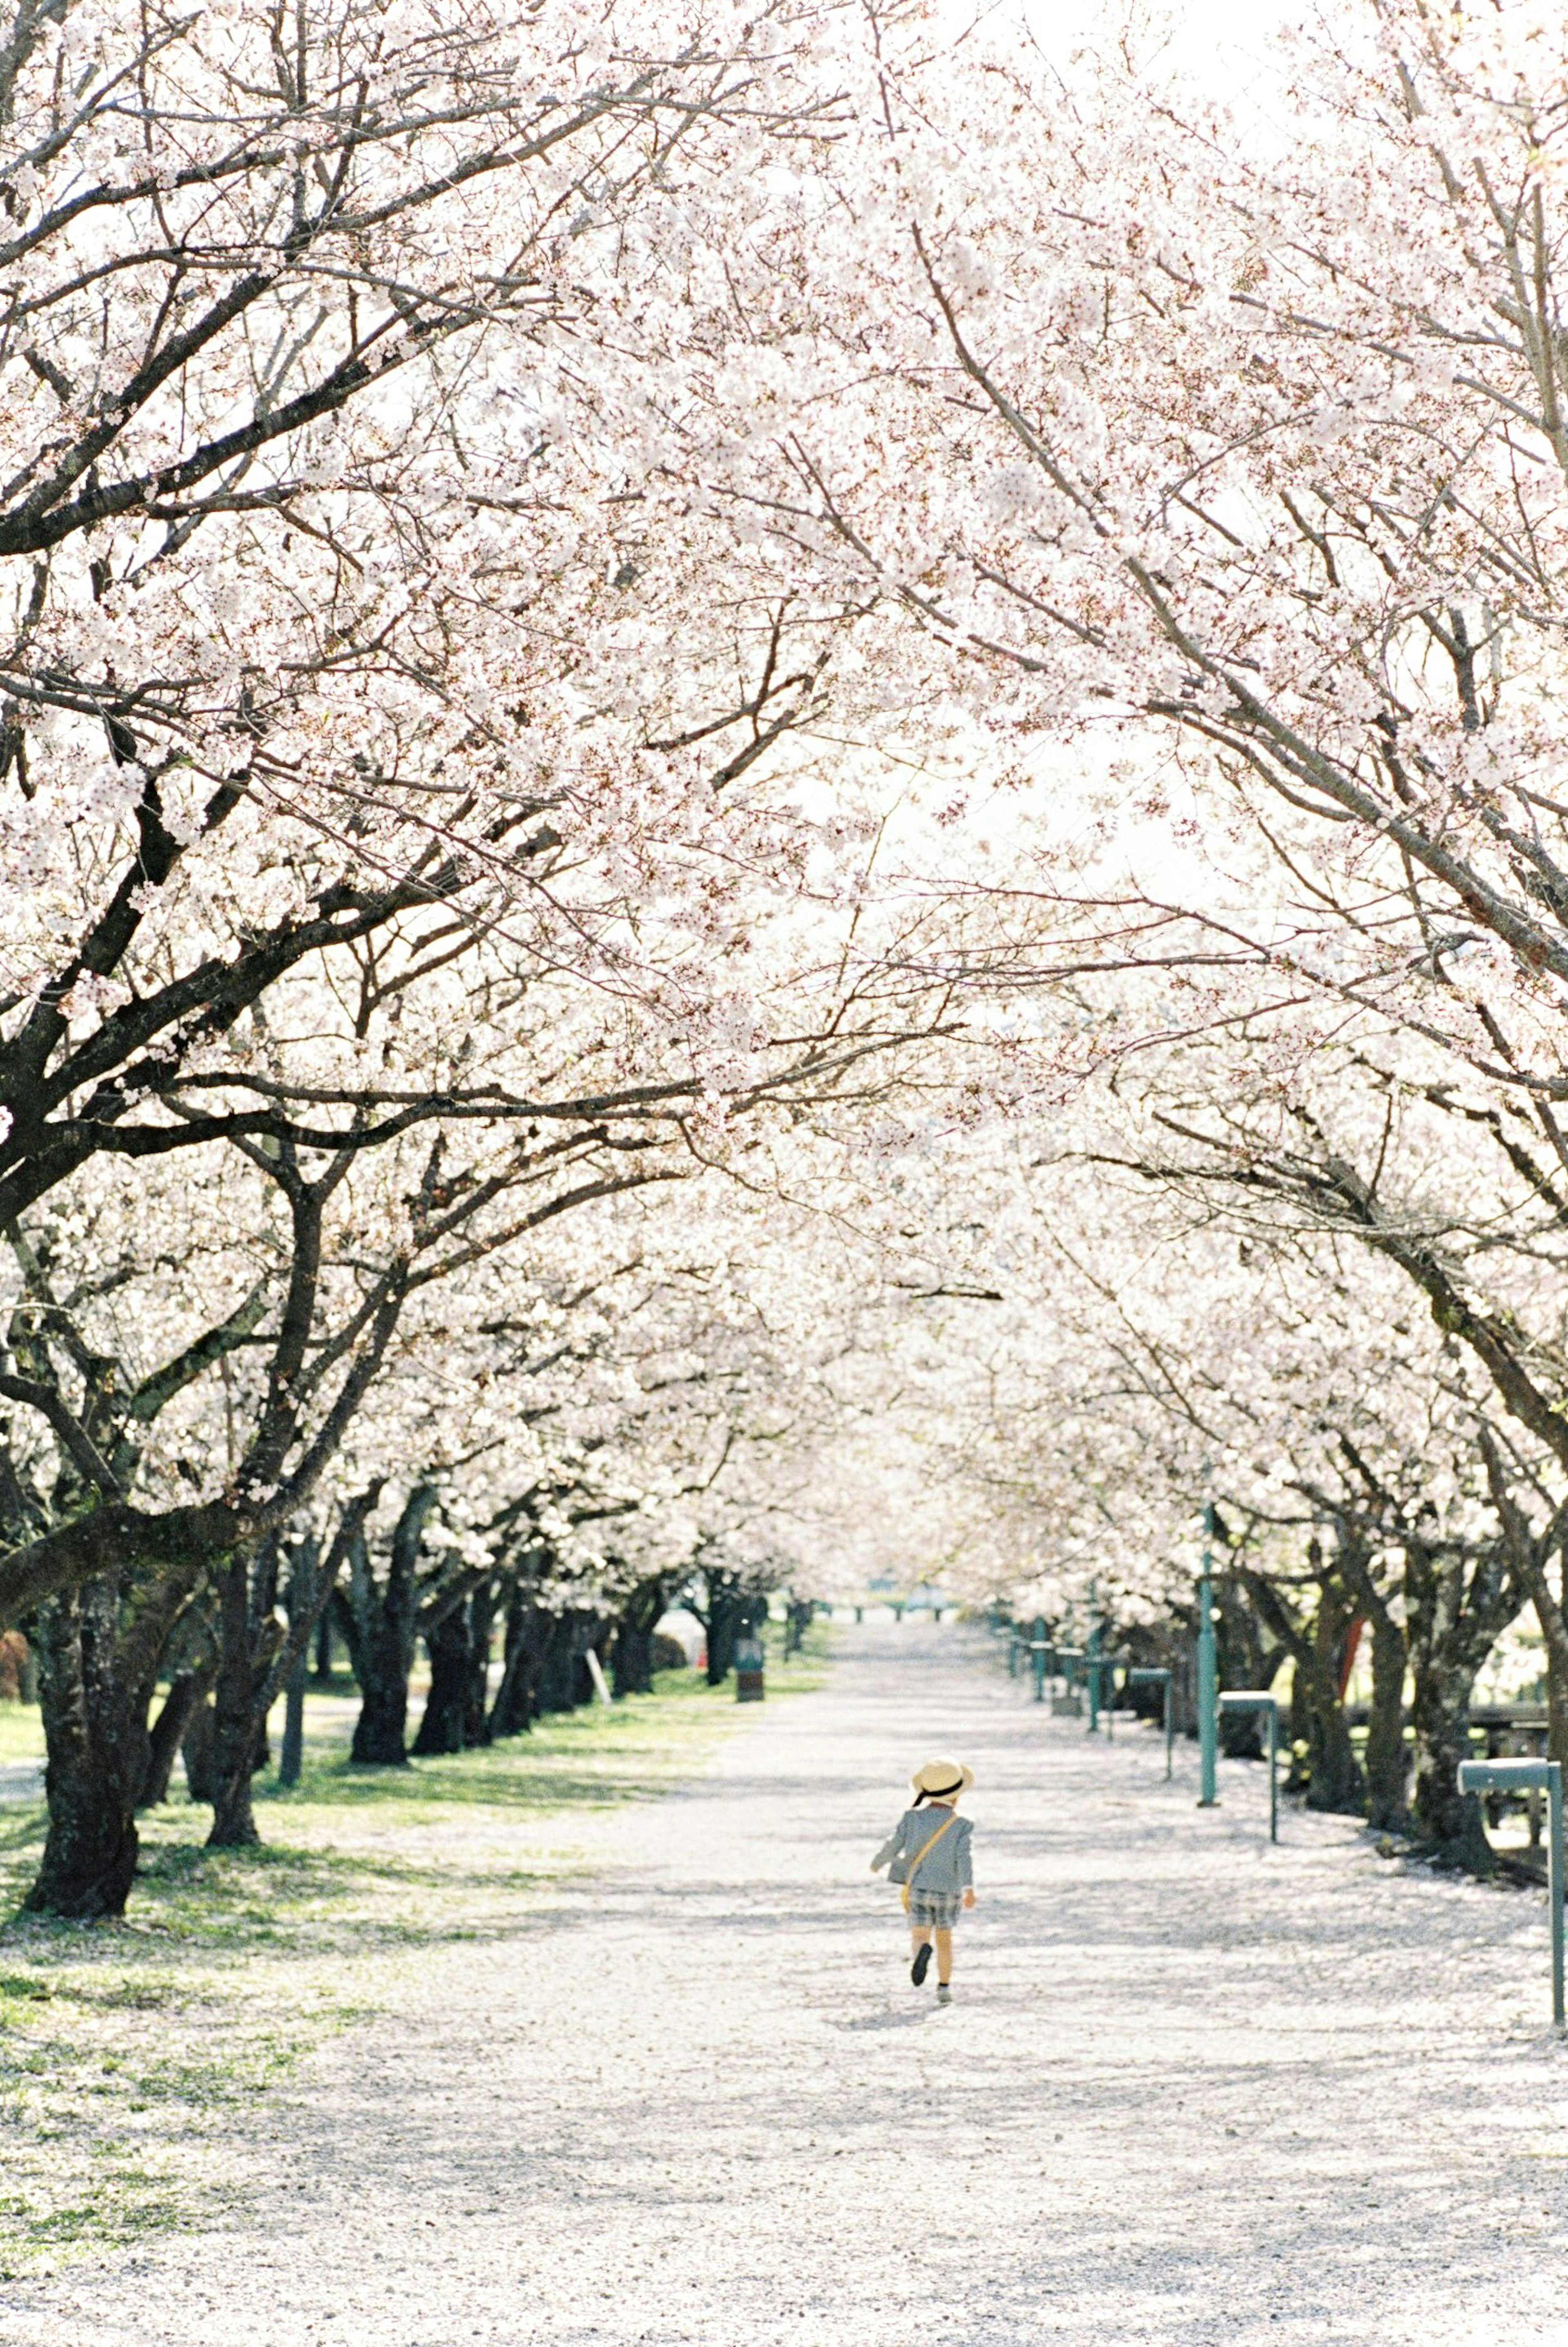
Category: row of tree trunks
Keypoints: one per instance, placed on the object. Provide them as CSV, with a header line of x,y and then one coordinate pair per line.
x,y
1453,1601
213,1627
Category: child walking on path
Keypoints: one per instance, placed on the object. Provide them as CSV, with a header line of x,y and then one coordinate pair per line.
x,y
928,1852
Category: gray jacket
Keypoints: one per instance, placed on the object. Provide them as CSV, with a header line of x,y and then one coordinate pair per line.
x,y
944,1868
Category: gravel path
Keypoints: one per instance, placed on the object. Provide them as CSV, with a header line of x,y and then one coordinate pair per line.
x,y
1193,2091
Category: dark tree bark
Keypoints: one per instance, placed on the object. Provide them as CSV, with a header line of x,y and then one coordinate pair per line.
x,y
309,1608
234,1723
100,1648
381,1620
196,1751
481,1628
446,1641
1457,1604
732,1609
257,1656
1334,1779
632,1663
559,1682
1387,1769
512,1712
291,1755
187,1690
98,1757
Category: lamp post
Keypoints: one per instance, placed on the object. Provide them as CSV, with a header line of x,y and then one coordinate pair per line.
x,y
1208,1670
1259,1699
1139,1677
1531,1777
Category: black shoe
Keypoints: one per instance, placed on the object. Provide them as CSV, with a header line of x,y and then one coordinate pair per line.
x,y
921,1965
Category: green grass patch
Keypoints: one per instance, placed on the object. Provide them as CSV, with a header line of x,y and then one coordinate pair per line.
x,y
21,1733
128,2049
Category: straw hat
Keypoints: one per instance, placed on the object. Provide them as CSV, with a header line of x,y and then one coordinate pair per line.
x,y
939,1780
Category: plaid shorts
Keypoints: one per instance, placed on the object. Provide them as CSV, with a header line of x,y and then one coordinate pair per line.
x,y
935,1909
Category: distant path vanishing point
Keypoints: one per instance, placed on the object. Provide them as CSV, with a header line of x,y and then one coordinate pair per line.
x,y
1193,2091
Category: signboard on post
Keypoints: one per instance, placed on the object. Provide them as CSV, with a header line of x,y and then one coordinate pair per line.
x,y
1259,1699
1140,1676
1531,1777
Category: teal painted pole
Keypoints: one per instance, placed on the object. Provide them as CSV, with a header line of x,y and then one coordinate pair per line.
x,y
1208,1672
1036,1654
1273,1772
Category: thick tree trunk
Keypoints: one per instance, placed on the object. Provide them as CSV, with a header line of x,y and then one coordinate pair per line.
x,y
235,1719
196,1751
1449,1822
1387,1767
382,1623
481,1625
632,1654
724,1609
380,1729
1334,1782
1453,1619
633,1669
558,1664
291,1759
98,1756
512,1712
447,1705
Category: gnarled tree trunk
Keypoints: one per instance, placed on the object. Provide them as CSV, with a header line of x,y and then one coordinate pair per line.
x,y
1387,1766
381,1621
101,1646
97,1754
1454,1611
516,1704
446,1641
633,1664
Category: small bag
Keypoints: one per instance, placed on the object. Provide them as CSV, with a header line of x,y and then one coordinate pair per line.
x,y
912,1865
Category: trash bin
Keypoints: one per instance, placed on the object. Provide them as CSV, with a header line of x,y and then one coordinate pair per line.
x,y
749,1660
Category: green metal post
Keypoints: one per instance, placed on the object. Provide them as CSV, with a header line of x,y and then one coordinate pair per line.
x,y
1092,1672
1273,1772
1208,1673
1036,1652
1170,1728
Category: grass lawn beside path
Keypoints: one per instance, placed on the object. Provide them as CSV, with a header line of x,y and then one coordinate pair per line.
x,y
129,2051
